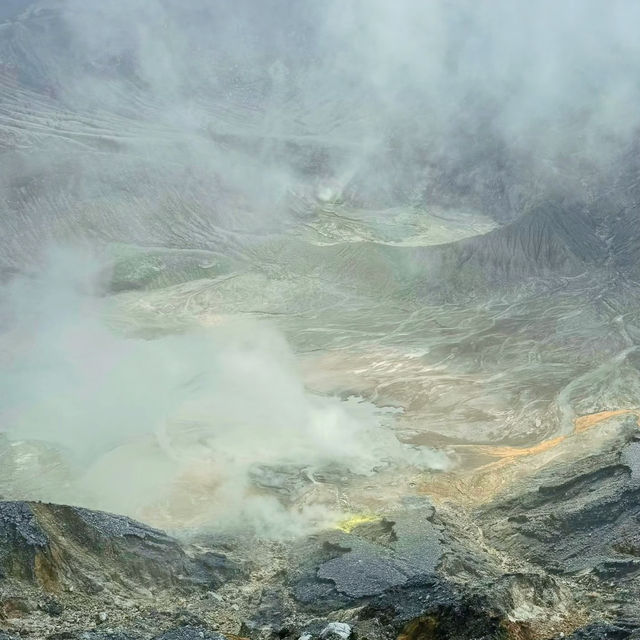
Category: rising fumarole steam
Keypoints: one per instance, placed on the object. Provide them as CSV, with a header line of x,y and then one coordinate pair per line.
x,y
173,427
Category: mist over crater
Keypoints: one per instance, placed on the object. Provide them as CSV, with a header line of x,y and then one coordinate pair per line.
x,y
276,263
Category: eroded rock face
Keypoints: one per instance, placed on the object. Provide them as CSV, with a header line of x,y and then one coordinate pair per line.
x,y
591,505
59,547
581,521
21,540
65,570
557,556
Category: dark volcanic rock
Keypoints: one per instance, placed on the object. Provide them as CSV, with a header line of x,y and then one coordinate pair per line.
x,y
559,552
368,562
52,607
21,540
212,568
95,635
462,622
391,572
579,521
583,517
57,546
362,572
185,632
600,631
190,633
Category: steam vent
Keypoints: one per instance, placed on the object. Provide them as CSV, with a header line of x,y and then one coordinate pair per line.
x,y
319,320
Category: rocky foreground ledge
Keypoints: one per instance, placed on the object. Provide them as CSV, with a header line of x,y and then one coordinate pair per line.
x,y
559,557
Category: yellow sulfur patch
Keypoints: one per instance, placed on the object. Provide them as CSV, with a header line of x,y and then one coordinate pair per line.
x,y
350,524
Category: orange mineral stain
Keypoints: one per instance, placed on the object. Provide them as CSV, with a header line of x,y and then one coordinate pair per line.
x,y
580,425
583,423
482,480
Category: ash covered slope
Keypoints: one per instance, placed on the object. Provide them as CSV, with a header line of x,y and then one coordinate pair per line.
x,y
554,557
162,133
195,126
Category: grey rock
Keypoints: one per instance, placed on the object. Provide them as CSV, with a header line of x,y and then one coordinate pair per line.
x,y
106,635
212,568
373,559
21,539
362,573
52,607
189,633
15,605
57,546
339,630
600,631
577,519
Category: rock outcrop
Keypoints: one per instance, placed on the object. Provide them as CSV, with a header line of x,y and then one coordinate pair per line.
x,y
556,557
